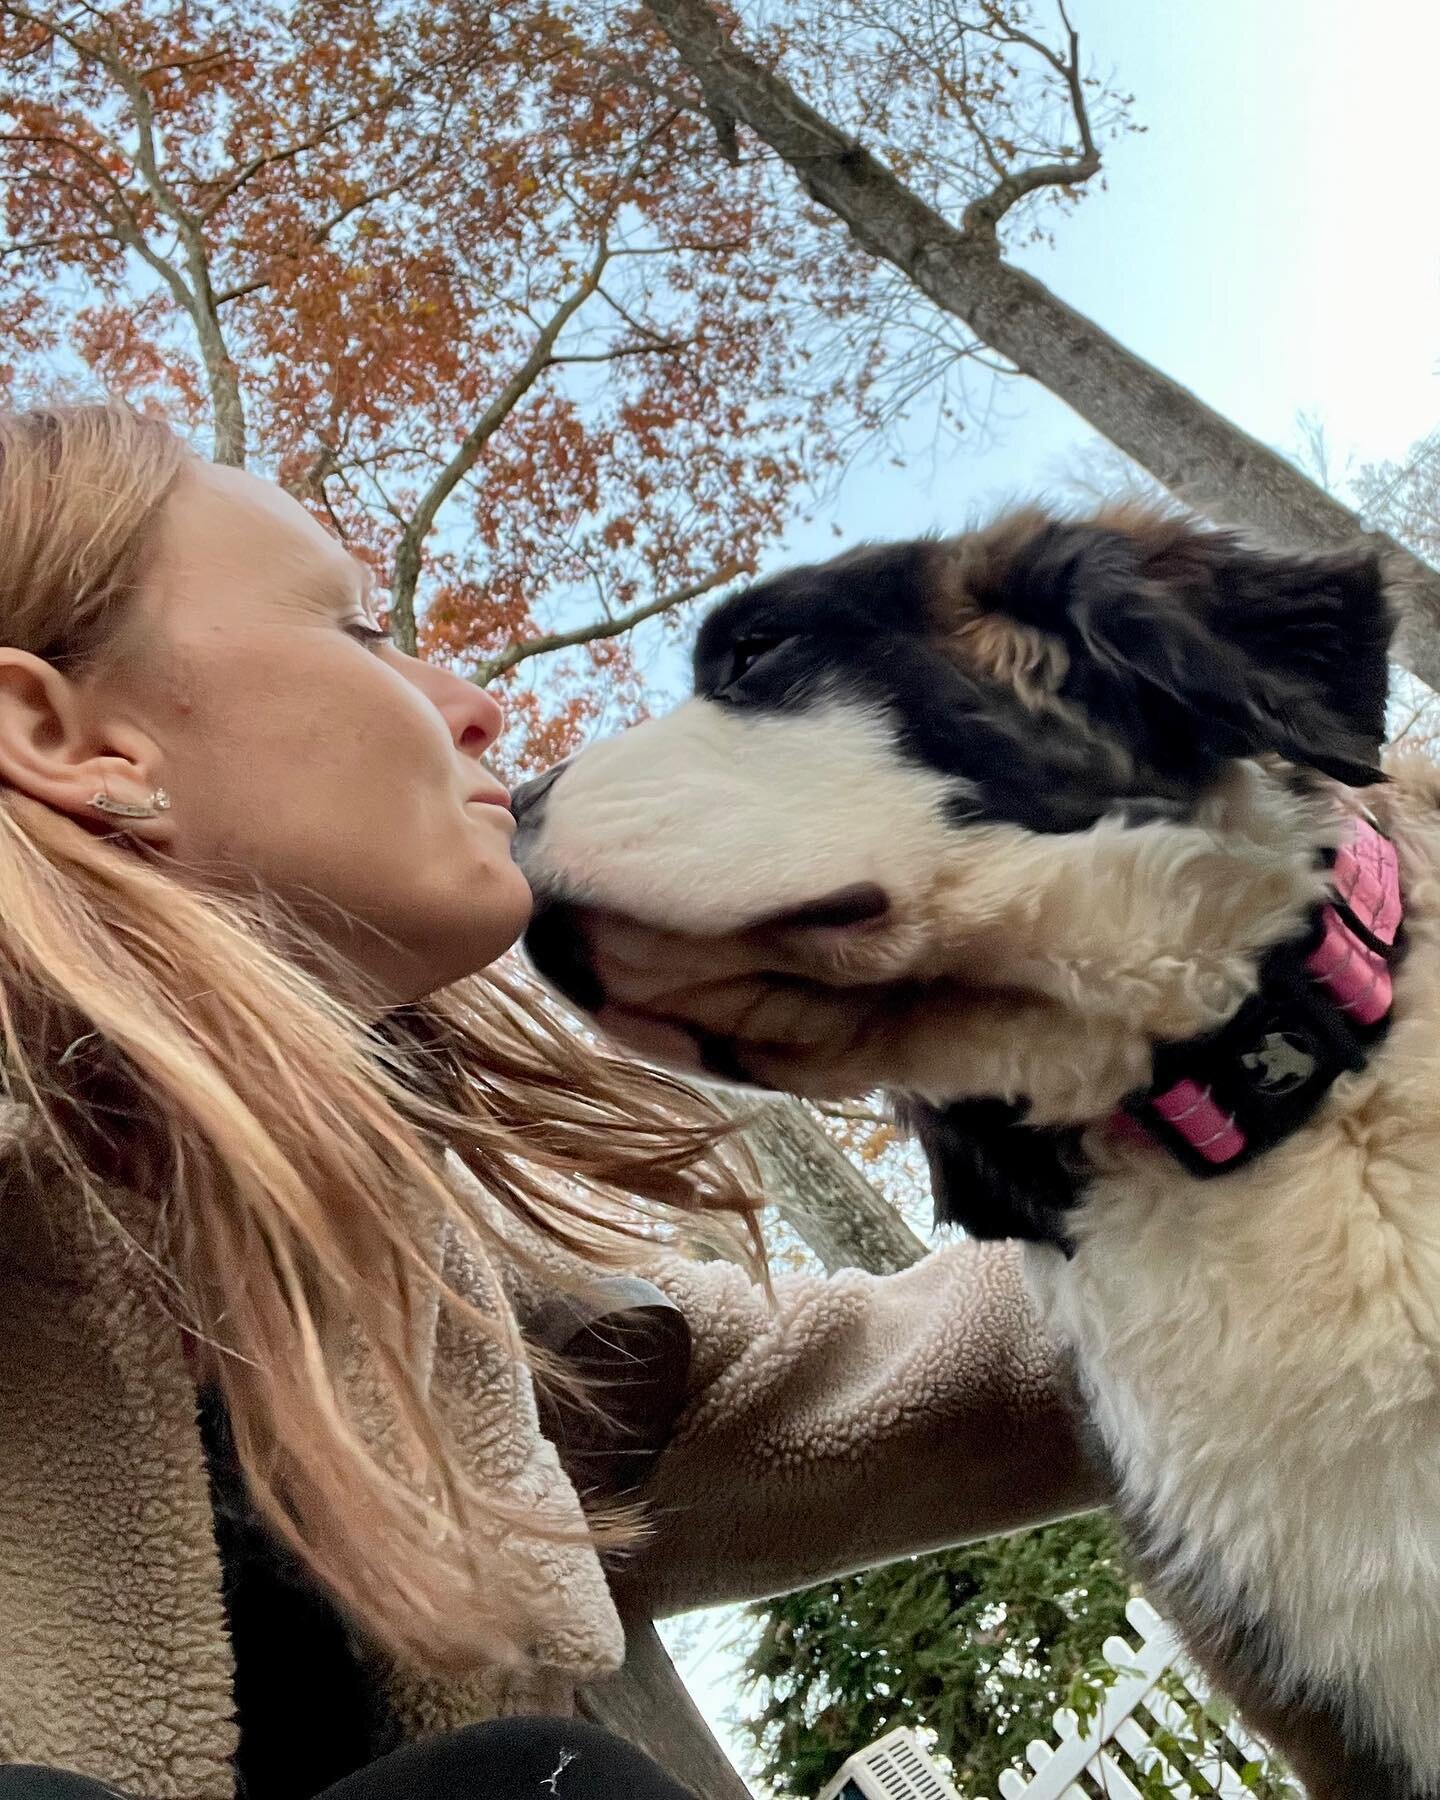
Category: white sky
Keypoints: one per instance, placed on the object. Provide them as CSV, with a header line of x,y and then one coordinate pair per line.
x,y
1272,240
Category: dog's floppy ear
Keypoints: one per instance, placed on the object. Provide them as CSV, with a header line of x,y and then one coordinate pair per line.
x,y
1203,648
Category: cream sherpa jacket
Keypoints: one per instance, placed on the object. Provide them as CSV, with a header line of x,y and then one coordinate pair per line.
x,y
856,1420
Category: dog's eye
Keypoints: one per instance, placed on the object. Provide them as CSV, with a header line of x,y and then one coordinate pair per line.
x,y
746,653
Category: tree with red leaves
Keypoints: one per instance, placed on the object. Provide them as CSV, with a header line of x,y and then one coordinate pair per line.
x,y
449,278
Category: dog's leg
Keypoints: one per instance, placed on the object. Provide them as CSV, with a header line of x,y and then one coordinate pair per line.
x,y
1310,1731
1310,1739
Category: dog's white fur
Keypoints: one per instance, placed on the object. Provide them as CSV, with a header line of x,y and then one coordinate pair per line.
x,y
1261,1353
1262,1357
715,817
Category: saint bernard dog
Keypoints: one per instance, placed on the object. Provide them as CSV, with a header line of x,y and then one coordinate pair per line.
x,y
1071,835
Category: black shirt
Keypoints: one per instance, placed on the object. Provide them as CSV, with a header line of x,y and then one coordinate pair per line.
x,y
306,1705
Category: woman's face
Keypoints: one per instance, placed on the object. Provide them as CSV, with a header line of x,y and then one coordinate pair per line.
x,y
301,749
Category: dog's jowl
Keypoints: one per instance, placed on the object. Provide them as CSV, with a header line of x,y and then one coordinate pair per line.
x,y
1071,835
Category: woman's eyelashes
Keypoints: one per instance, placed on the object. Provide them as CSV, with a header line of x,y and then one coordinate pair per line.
x,y
365,631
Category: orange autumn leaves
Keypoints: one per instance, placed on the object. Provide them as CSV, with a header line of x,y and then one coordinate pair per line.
x,y
490,289
444,276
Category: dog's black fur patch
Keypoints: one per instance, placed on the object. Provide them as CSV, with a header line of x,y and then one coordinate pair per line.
x,y
1235,652
859,630
995,1175
556,946
1232,653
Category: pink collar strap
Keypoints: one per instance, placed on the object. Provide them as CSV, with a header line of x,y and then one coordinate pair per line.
x,y
1322,1003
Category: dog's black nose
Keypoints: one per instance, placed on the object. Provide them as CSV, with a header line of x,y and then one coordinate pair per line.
x,y
530,793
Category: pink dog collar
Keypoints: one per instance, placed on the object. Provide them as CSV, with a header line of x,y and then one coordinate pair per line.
x,y
1322,1003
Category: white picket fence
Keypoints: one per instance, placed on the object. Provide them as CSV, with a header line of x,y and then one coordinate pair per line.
x,y
1117,1745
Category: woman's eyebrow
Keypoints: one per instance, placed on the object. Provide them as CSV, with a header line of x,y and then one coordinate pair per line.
x,y
338,586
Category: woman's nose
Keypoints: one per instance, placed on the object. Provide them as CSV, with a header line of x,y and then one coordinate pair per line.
x,y
474,716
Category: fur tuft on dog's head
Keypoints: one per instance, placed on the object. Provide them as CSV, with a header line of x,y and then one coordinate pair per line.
x,y
1193,646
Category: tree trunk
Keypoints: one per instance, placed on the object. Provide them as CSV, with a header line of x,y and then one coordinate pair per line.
x,y
227,405
647,1704
1195,452
820,1193
404,581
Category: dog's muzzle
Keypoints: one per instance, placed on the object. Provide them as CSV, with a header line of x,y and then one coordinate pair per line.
x,y
527,800
555,942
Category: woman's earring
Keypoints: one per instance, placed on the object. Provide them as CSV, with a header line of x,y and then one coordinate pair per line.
x,y
158,802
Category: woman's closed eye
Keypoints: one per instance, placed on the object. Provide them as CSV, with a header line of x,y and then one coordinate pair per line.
x,y
366,631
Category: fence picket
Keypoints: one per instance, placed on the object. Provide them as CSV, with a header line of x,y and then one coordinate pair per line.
x,y
1143,1616
1132,1738
1210,1763
1114,1783
1116,1749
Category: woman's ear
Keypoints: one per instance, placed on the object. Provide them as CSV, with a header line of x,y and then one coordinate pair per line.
x,y
57,746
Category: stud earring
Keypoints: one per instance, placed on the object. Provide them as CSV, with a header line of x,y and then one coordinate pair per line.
x,y
158,802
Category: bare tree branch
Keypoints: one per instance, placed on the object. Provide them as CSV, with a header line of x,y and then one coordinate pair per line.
x,y
220,369
629,76
122,220
64,241
182,65
982,216
615,626
316,237
288,152
851,1115
660,347
410,551
51,28
192,290
718,246
638,326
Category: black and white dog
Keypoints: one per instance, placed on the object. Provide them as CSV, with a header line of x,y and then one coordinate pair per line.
x,y
1051,831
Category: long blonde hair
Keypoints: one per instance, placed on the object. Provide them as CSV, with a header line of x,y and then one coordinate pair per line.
x,y
275,1150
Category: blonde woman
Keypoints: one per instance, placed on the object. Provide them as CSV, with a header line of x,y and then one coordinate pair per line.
x,y
284,1184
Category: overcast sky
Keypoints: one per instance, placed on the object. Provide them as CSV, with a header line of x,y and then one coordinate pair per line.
x,y
1272,241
